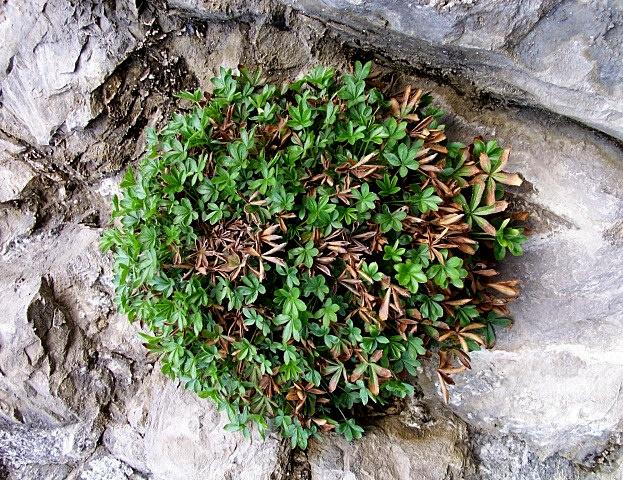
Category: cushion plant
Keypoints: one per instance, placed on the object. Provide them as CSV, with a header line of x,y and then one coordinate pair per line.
x,y
294,252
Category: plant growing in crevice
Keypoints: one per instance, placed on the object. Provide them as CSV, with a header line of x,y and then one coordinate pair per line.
x,y
294,252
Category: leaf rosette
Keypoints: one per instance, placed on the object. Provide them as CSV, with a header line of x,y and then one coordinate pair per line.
x,y
292,253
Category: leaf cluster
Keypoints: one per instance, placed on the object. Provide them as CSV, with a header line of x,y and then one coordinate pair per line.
x,y
292,253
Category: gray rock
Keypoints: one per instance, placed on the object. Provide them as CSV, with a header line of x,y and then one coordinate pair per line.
x,y
172,434
54,57
185,440
105,467
555,378
415,444
506,458
15,223
564,56
15,174
51,390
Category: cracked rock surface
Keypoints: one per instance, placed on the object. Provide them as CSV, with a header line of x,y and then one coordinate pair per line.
x,y
562,55
80,81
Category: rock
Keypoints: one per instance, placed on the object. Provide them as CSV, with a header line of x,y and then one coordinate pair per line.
x,y
105,467
50,396
413,445
170,433
55,383
185,440
15,223
223,10
55,56
15,174
554,379
156,428
46,472
560,55
505,458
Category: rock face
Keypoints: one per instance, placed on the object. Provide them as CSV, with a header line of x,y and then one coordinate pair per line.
x,y
555,378
180,426
564,56
416,444
55,54
80,82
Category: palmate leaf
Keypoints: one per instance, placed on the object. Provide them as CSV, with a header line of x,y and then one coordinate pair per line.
x,y
327,313
426,200
405,157
184,213
388,220
410,275
304,255
365,198
508,238
295,252
474,214
493,173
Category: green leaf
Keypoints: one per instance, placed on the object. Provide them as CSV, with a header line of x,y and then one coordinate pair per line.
x,y
304,255
316,285
370,272
388,185
394,131
301,115
405,157
184,213
430,308
251,288
393,252
365,198
426,200
195,96
409,274
389,220
290,302
350,430
327,313
292,252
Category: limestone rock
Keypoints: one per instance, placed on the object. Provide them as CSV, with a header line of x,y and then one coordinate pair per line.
x,y
105,467
185,440
554,379
172,434
15,174
411,445
51,389
506,458
565,56
55,54
15,223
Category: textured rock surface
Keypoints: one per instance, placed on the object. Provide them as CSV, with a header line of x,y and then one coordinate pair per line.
x,y
55,53
79,397
555,378
180,426
15,174
563,55
415,444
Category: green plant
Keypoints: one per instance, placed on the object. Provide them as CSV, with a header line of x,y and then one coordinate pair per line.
x,y
294,252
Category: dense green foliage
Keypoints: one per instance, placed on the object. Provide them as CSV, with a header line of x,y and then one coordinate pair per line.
x,y
293,252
